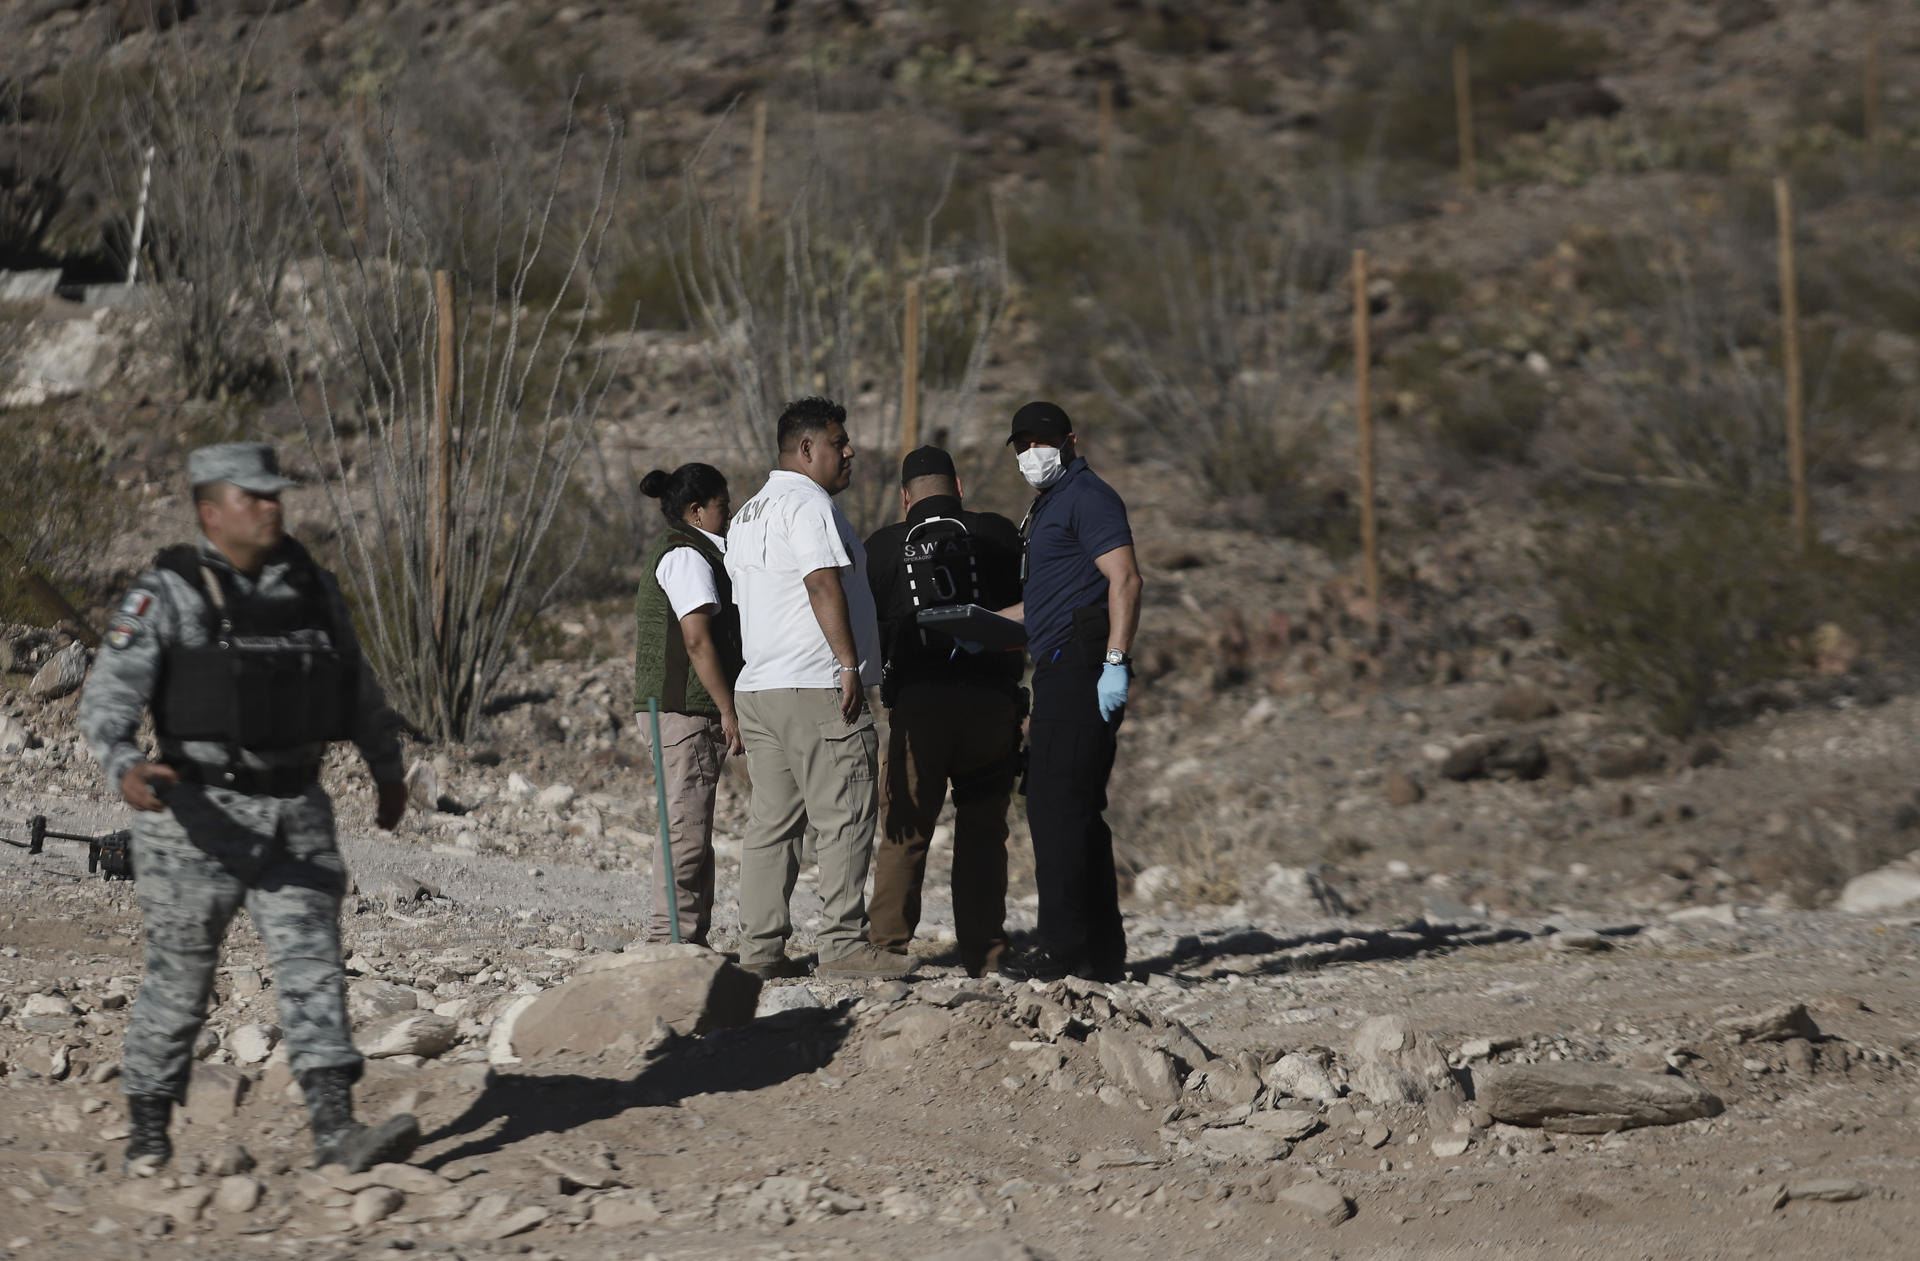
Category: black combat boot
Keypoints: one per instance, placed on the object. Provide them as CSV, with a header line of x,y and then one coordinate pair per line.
x,y
147,1117
338,1139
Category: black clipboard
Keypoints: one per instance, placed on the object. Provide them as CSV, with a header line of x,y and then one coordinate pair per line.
x,y
976,625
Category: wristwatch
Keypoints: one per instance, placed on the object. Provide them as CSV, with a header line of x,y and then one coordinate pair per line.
x,y
1115,657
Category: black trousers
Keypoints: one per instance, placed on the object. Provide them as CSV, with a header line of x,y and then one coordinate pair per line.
x,y
1070,755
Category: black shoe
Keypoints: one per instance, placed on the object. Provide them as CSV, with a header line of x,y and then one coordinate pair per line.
x,y
147,1117
338,1139
1039,965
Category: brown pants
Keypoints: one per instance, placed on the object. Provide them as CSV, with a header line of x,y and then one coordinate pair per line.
x,y
942,733
692,748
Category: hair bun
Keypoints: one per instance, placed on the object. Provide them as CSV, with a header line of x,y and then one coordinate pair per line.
x,y
654,485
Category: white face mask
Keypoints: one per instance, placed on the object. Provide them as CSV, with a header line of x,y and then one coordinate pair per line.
x,y
1041,466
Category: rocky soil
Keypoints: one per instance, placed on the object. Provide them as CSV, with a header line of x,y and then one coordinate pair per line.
x,y
1423,1050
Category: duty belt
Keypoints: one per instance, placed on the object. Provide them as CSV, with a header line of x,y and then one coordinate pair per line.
x,y
278,781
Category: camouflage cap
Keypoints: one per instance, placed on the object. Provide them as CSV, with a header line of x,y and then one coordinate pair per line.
x,y
253,466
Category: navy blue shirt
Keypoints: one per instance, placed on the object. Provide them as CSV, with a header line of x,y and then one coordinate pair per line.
x,y
1075,520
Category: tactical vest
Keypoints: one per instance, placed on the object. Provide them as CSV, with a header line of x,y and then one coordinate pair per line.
x,y
271,675
661,666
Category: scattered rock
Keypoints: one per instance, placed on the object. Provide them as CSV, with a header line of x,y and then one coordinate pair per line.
x,y
252,1043
414,1033
637,1209
778,998
1447,1146
238,1194
1496,757
1301,1077
1316,1201
63,673
1832,1190
905,1032
1589,1098
14,738
1887,889
408,1178
154,1196
1292,1124
1723,913
1524,703
423,786
613,1001
1624,761
233,1159
1242,1143
1401,790
555,797
1392,1062
214,1092
370,1000
1132,1061
376,1204
1776,1024
517,1223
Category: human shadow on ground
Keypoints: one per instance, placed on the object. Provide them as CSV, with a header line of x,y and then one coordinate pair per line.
x,y
1304,951
765,1053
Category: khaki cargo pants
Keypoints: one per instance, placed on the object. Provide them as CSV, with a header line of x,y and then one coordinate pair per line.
x,y
809,766
692,749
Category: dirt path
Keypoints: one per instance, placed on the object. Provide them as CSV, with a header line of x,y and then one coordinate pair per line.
x,y
809,1133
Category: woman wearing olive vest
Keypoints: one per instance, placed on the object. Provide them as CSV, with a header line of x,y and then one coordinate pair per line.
x,y
688,657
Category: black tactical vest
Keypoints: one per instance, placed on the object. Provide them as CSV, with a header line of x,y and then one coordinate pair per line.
x,y
272,674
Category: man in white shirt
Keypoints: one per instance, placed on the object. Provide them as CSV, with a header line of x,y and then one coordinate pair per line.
x,y
811,642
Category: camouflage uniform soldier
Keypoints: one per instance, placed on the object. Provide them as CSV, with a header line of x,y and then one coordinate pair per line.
x,y
244,650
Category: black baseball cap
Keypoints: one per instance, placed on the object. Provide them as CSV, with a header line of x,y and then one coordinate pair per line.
x,y
926,462
1043,420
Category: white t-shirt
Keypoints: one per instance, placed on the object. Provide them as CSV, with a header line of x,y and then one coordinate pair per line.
x,y
687,578
778,537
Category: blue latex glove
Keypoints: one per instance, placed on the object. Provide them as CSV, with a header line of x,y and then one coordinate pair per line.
x,y
1112,690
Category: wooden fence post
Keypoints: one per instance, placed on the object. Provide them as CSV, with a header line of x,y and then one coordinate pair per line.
x,y
910,373
442,449
1790,361
1870,105
1463,115
1104,94
757,163
1363,409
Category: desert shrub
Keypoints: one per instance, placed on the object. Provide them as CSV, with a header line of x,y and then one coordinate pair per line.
x,y
221,216
525,393
643,292
1402,106
813,303
1684,601
1226,383
58,507
1492,414
1686,374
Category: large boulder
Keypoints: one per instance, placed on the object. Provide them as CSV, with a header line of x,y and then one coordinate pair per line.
x,y
1887,889
613,1002
64,672
1589,1098
62,359
1132,1061
1393,1063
